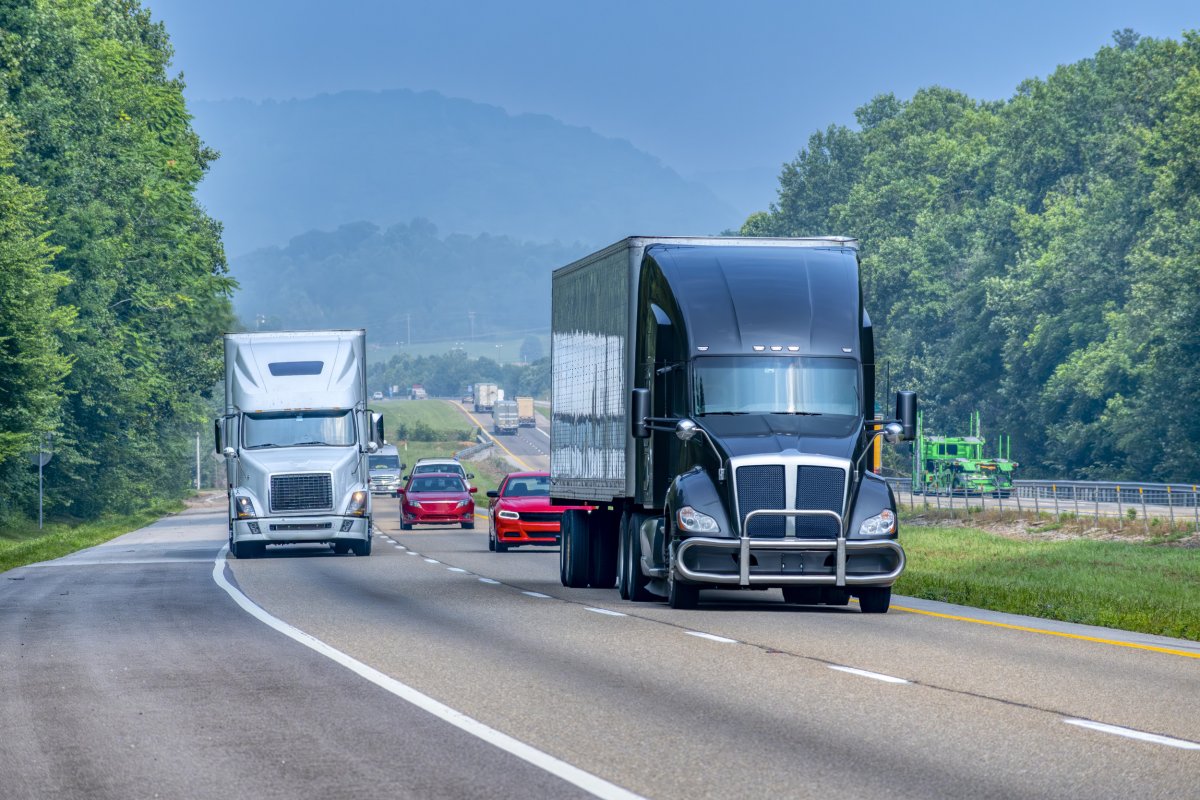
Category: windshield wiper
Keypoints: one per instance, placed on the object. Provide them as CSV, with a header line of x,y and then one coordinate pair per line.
x,y
798,413
723,413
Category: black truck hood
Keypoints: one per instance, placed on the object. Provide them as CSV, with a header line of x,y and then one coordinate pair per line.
x,y
753,434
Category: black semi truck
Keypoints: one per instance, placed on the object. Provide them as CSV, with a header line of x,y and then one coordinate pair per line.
x,y
713,402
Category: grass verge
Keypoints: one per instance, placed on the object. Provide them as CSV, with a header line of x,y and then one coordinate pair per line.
x,y
1150,588
22,543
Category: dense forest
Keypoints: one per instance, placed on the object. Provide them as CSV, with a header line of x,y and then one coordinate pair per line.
x,y
113,285
1036,258
403,283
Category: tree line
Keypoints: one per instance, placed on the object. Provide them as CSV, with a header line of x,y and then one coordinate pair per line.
x,y
1037,258
448,374
113,284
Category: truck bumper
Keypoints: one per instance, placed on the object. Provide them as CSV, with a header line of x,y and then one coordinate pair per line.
x,y
294,530
747,561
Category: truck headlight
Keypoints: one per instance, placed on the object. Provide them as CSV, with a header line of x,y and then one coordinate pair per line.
x,y
508,515
358,504
694,521
881,524
244,507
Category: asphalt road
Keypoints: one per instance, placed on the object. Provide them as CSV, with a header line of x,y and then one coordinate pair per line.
x,y
131,672
527,449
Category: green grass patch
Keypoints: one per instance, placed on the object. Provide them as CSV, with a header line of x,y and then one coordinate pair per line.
x,y
423,420
22,543
1135,587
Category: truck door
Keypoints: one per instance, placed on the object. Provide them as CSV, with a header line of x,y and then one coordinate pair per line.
x,y
667,380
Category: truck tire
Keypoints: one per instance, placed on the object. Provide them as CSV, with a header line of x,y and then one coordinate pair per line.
x,y
634,582
362,548
680,594
602,570
875,599
574,555
802,595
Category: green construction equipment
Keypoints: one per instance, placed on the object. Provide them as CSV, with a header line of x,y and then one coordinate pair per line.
x,y
957,464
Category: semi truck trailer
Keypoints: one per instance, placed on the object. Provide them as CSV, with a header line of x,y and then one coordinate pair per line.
x,y
504,416
713,400
296,435
485,396
525,412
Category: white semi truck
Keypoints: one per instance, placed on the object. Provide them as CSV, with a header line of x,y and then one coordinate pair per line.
x,y
296,435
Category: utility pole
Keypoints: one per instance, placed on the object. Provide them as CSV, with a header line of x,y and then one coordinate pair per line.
x,y
197,462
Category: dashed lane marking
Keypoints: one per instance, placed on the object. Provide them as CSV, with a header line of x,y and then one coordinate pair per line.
x,y
605,611
875,676
489,580
538,595
712,637
1130,733
455,569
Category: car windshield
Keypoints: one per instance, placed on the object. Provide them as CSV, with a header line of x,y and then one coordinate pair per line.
x,y
775,385
530,486
420,468
385,462
437,483
289,429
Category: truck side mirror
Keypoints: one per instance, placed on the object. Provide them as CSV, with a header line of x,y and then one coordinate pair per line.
x,y
217,436
906,412
229,452
377,429
639,410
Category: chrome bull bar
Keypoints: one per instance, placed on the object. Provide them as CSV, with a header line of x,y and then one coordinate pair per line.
x,y
841,545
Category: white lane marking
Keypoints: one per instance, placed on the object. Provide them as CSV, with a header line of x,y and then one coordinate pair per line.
x,y
413,553
1130,733
456,569
605,611
592,784
538,595
862,673
398,547
432,561
712,637
489,580
542,432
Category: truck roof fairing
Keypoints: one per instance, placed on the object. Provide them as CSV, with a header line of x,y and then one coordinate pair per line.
x,y
768,300
281,371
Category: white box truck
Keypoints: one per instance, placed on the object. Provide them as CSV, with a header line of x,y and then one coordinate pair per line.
x,y
296,436
486,395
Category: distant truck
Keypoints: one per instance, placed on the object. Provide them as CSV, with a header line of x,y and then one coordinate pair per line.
x,y
525,413
485,396
505,418
417,392
958,465
296,436
386,470
714,399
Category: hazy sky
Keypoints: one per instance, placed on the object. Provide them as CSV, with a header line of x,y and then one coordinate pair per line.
x,y
707,86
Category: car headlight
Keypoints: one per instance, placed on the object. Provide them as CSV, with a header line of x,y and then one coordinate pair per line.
x,y
881,524
244,507
508,515
414,504
358,504
463,503
694,521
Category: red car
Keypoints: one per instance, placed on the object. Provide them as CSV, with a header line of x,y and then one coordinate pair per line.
x,y
520,512
436,499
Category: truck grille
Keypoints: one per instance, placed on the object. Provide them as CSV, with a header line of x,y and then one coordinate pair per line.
x,y
762,487
819,488
311,492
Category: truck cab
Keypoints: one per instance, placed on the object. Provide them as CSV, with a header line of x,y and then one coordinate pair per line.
x,y
296,436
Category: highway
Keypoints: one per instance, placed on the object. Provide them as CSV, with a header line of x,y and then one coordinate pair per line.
x,y
528,449
151,666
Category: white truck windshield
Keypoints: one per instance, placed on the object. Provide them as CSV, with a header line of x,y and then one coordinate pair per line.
x,y
292,429
775,385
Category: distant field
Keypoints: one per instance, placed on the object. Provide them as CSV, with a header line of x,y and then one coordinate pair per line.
x,y
1151,588
502,350
448,431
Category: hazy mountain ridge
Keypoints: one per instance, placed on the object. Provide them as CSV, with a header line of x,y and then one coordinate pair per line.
x,y
400,281
296,165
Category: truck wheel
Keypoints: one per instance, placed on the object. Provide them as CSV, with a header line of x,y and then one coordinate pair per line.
x,y
802,595
574,556
602,571
875,599
362,548
623,558
682,595
635,581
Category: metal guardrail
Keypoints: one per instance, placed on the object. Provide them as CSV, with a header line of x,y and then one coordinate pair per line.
x,y
484,444
1174,501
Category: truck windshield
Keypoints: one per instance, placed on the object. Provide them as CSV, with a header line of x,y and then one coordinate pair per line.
x,y
385,462
290,429
775,385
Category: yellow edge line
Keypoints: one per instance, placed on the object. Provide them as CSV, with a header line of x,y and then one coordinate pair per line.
x,y
493,438
1112,642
